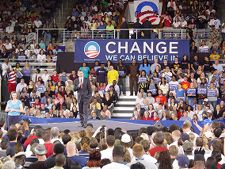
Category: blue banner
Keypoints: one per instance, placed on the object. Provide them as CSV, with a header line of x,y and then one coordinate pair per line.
x,y
128,50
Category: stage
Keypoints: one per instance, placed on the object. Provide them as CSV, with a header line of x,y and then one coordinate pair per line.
x,y
126,124
75,126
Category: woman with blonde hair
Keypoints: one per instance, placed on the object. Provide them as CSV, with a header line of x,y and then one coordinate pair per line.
x,y
14,108
26,71
85,147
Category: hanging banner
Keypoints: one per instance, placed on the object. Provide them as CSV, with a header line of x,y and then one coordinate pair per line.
x,y
128,50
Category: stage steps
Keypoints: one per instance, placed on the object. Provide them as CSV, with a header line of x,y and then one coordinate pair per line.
x,y
124,107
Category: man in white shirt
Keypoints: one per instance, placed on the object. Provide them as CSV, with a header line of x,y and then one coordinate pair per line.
x,y
107,153
138,152
8,45
214,22
6,66
118,159
9,29
146,146
218,66
203,48
187,128
45,76
20,86
37,22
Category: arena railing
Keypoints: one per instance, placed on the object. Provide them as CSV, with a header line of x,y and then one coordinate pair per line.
x,y
62,35
50,66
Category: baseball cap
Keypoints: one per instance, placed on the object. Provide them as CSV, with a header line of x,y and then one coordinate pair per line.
x,y
188,146
125,138
199,157
40,149
183,161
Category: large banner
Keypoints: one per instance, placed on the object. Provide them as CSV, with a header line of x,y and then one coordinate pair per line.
x,y
127,50
144,9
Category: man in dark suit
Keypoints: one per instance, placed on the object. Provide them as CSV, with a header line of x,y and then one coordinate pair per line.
x,y
83,88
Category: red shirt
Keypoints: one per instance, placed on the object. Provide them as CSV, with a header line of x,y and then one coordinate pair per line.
x,y
155,118
28,140
146,118
157,149
161,98
55,78
49,148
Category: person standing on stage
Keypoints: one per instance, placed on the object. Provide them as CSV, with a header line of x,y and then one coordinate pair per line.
x,y
133,76
83,87
14,108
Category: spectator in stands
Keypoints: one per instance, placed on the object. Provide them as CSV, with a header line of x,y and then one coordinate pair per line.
x,y
124,33
112,75
138,152
122,77
218,67
158,140
94,160
72,154
60,161
118,158
40,152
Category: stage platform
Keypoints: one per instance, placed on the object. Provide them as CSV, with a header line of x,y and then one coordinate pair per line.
x,y
75,126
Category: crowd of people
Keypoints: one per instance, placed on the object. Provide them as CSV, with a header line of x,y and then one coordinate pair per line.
x,y
21,51
23,16
23,146
92,15
181,90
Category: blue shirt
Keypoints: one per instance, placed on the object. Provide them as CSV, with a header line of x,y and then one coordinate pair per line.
x,y
14,105
85,70
180,93
80,160
145,67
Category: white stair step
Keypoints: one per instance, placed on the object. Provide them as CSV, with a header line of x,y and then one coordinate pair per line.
x,y
131,103
128,97
124,108
122,115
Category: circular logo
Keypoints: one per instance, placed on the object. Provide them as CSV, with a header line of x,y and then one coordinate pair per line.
x,y
92,49
147,10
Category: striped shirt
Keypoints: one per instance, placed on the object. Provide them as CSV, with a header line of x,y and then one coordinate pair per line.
x,y
12,77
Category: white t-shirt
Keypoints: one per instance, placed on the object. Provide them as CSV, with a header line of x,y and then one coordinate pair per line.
x,y
45,77
38,23
41,58
107,153
20,87
146,163
5,67
9,29
218,67
203,49
115,165
215,22
8,46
